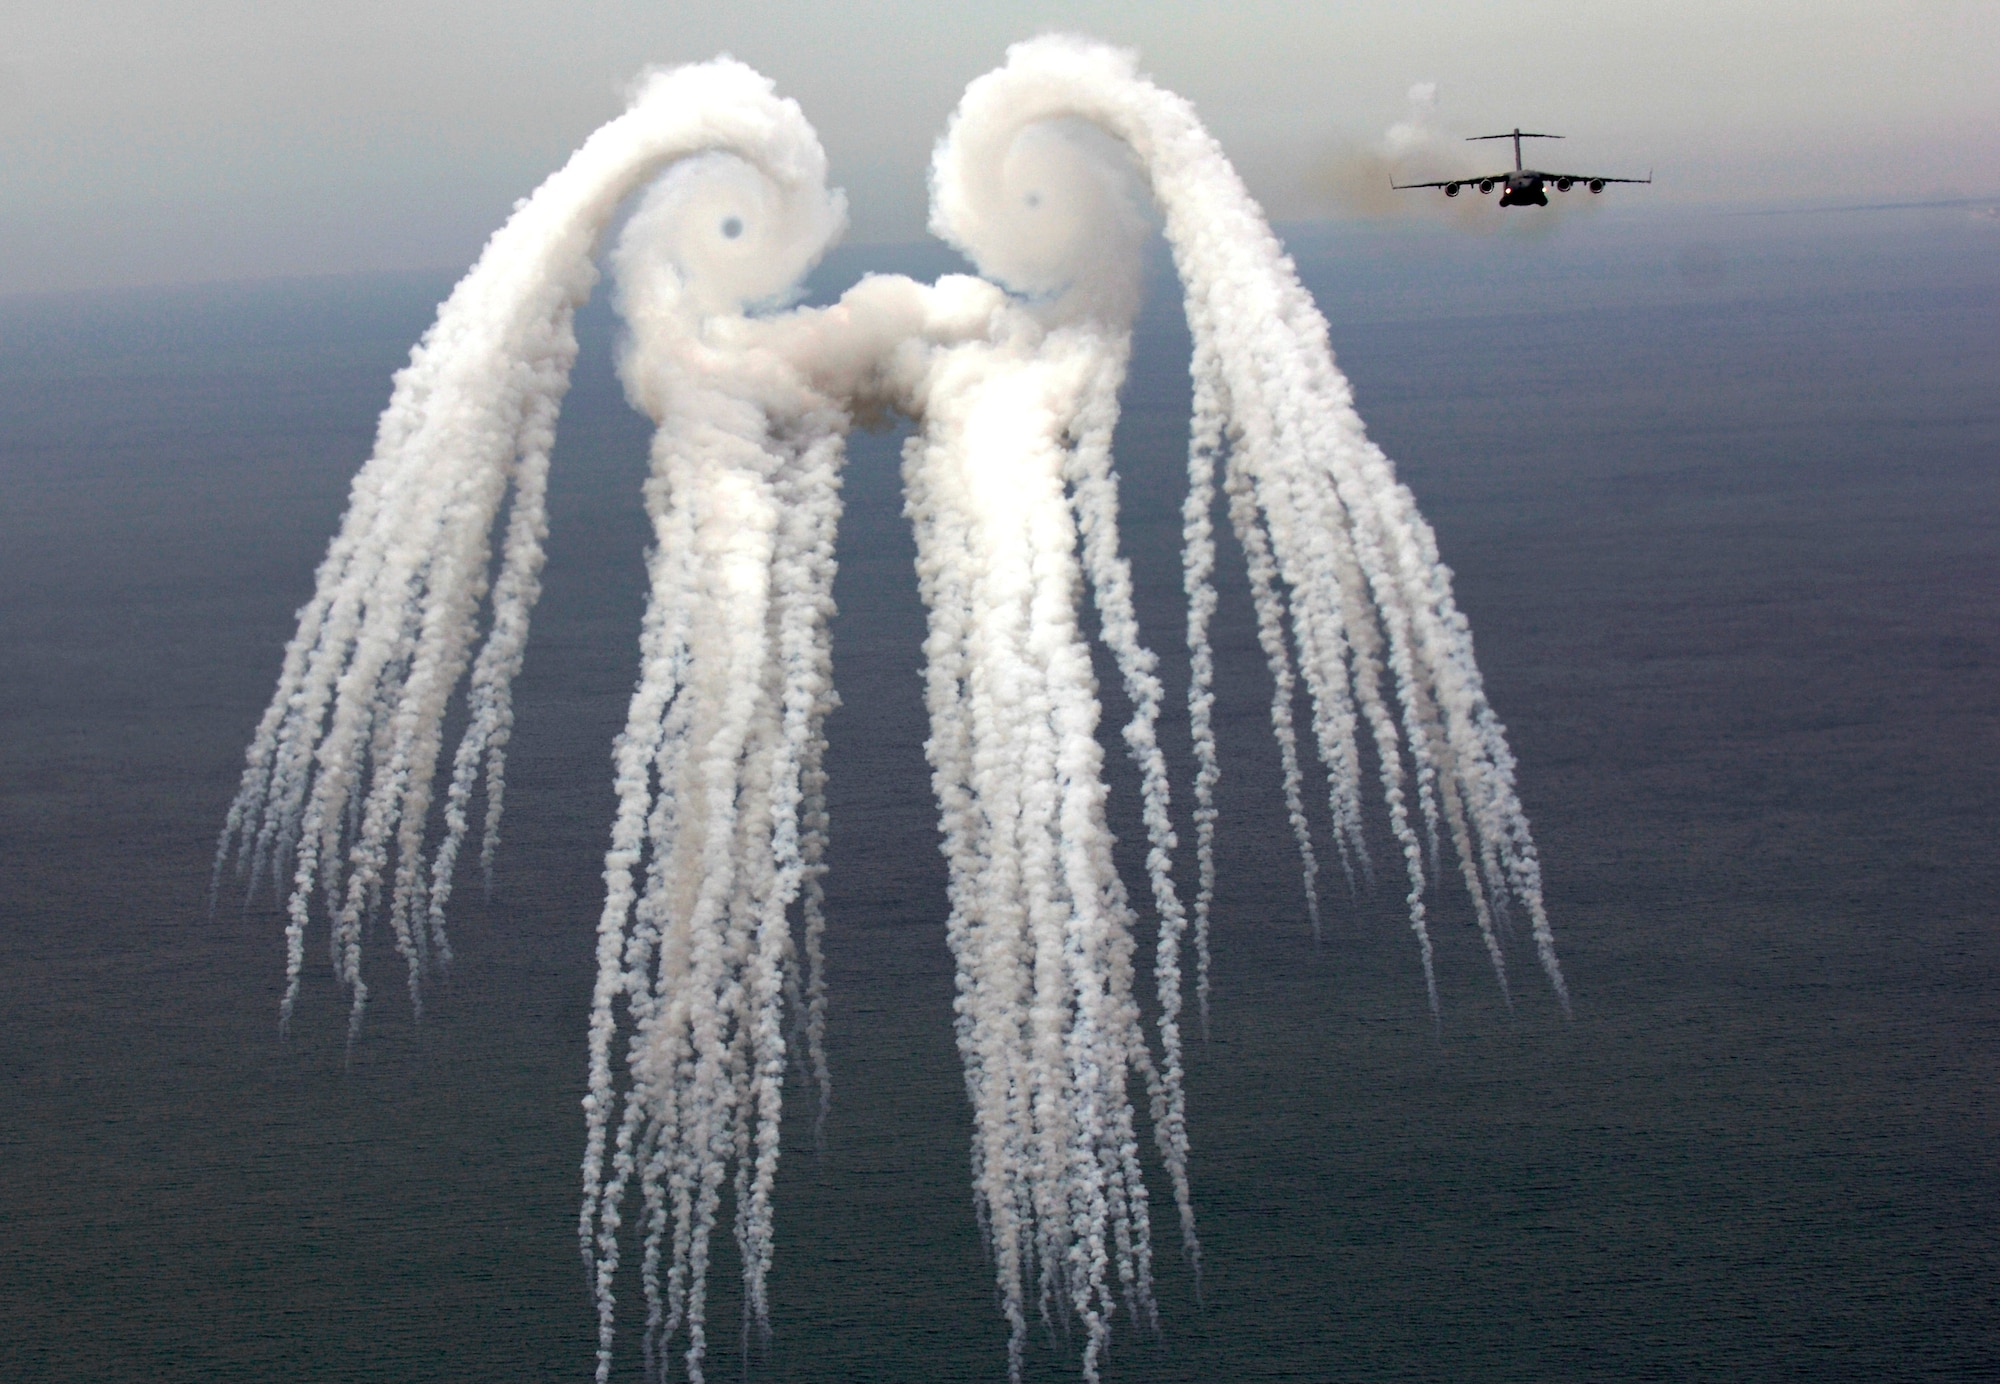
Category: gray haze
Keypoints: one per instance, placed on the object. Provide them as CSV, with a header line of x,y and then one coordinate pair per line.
x,y
166,141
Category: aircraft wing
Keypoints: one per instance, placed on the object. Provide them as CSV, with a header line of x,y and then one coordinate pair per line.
x,y
1594,178
1448,182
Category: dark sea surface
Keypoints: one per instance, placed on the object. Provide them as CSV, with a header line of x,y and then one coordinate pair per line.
x,y
1723,499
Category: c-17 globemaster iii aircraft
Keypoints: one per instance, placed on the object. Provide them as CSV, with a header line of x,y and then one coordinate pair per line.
x,y
1523,187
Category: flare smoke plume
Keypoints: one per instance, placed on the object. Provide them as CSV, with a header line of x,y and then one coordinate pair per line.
x,y
709,942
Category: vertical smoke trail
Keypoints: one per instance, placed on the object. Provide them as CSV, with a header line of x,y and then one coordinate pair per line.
x,y
721,821
1094,493
1198,581
489,695
1364,589
721,753
1269,603
1039,921
1011,491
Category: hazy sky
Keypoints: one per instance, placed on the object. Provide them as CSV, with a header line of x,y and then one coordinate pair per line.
x,y
163,141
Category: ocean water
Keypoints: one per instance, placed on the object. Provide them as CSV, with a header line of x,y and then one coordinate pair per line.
x,y
1721,495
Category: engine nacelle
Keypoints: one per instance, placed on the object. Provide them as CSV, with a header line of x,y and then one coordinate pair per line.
x,y
1451,189
1565,184
1486,186
1597,184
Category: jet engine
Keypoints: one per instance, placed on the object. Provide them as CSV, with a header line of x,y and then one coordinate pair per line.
x,y
1565,184
1451,189
1597,184
1486,185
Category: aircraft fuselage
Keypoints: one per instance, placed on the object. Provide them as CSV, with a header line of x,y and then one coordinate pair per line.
x,y
1523,189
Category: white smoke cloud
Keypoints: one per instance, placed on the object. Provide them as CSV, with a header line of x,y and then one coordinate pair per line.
x,y
1415,134
713,917
1357,177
